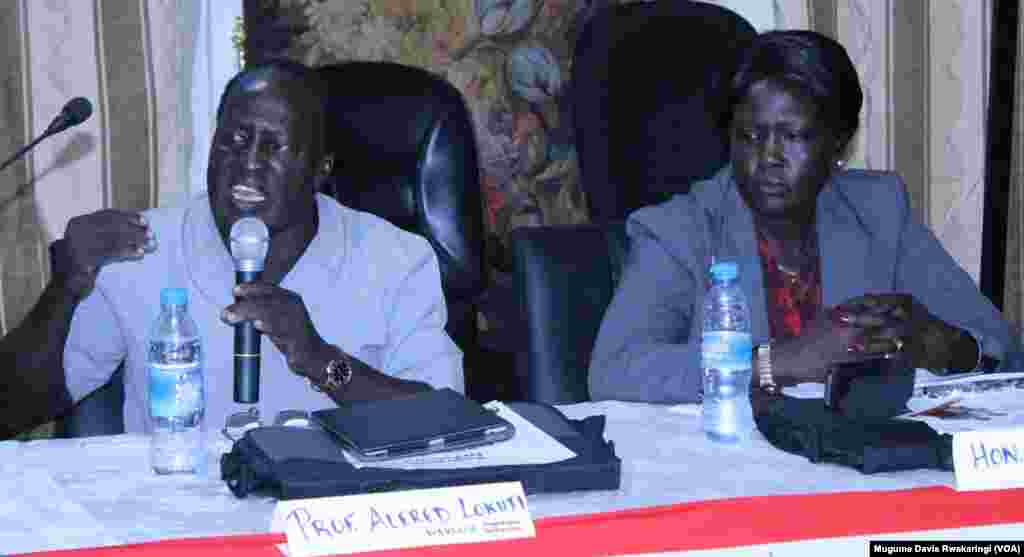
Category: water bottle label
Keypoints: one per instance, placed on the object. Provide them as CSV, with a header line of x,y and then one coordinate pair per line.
x,y
175,390
726,350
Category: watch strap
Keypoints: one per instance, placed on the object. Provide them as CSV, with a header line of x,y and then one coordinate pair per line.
x,y
766,380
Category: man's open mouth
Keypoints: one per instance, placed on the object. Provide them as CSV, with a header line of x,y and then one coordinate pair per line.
x,y
773,189
247,195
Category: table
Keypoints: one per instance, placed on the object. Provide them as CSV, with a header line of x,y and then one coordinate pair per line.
x,y
68,493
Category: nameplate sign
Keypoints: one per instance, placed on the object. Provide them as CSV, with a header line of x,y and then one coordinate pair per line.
x,y
403,519
988,459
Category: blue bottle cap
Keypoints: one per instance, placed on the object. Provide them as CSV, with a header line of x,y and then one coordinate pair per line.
x,y
725,270
173,297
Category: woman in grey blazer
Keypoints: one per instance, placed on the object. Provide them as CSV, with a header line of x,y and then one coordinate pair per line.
x,y
835,266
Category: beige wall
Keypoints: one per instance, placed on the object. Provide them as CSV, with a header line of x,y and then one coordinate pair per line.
x,y
924,68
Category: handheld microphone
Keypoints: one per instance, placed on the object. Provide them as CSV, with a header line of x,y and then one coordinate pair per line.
x,y
250,241
76,111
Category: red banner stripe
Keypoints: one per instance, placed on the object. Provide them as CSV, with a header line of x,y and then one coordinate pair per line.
x,y
698,525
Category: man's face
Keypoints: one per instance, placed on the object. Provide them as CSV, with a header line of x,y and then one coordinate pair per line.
x,y
263,160
782,155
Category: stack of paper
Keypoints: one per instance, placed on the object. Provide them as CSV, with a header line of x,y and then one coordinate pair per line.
x,y
968,402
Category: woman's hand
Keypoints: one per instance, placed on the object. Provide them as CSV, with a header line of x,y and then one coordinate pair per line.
x,y
869,327
827,340
906,329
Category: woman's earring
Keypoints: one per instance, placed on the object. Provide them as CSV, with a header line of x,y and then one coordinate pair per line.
x,y
840,163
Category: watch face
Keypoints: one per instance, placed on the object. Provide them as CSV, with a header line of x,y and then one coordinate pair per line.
x,y
339,373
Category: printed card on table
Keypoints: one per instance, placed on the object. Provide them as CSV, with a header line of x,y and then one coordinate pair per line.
x,y
403,519
988,459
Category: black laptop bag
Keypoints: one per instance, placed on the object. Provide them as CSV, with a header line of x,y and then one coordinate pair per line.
x,y
293,463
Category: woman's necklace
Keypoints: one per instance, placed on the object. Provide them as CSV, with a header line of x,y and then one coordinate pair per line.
x,y
794,276
798,288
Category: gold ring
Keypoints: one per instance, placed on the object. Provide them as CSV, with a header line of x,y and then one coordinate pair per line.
x,y
899,344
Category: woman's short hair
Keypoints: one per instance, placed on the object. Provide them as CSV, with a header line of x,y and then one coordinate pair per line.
x,y
817,65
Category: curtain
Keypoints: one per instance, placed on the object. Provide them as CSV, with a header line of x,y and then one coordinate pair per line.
x,y
1013,296
214,62
924,68
22,262
144,65
153,69
103,51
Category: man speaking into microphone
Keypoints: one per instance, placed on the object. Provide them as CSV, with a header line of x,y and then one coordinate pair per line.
x,y
351,305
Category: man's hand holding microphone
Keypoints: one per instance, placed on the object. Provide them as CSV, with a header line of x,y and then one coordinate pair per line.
x,y
262,308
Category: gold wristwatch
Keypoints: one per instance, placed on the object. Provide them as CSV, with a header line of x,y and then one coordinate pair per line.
x,y
337,375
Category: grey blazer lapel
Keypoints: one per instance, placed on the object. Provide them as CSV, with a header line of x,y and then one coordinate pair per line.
x,y
841,235
740,244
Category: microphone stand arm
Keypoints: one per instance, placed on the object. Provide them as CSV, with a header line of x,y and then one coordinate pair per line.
x,y
24,150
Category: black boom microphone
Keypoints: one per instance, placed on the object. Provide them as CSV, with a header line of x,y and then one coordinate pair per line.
x,y
76,111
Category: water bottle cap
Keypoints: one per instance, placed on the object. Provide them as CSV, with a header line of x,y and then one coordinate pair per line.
x,y
725,270
173,297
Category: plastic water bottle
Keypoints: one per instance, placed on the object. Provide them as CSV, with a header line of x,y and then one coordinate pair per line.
x,y
177,399
725,358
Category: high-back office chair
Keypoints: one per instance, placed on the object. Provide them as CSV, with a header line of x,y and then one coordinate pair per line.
x,y
645,130
405,151
645,100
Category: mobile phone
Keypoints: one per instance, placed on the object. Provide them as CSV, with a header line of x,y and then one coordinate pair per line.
x,y
840,376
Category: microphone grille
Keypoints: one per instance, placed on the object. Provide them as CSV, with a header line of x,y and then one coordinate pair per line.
x,y
250,241
79,109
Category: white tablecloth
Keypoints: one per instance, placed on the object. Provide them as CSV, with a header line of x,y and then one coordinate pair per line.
x,y
67,493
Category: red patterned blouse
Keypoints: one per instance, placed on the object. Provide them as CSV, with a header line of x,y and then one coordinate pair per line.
x,y
792,297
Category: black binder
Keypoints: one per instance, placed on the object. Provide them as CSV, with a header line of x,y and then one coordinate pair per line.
x,y
293,463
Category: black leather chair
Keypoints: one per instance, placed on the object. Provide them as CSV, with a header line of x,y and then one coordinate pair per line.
x,y
566,278
644,132
405,151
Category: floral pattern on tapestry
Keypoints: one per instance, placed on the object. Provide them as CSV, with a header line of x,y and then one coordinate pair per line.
x,y
511,60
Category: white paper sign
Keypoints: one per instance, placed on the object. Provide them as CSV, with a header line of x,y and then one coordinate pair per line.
x,y
395,520
988,459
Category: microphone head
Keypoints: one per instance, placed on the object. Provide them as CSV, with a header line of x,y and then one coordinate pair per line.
x,y
78,110
250,240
